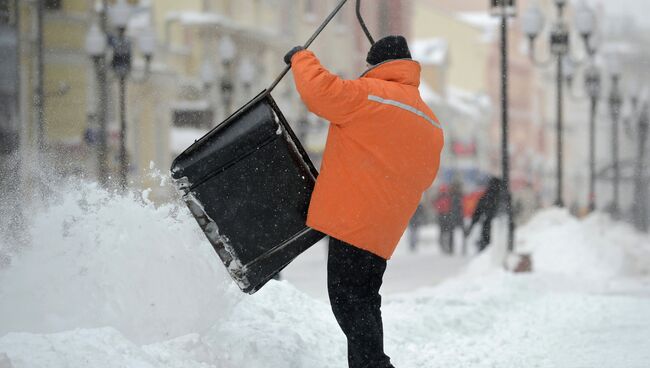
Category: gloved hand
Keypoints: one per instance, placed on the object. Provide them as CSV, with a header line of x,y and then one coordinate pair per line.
x,y
289,55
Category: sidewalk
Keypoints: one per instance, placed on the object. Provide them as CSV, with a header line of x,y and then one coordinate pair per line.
x,y
406,270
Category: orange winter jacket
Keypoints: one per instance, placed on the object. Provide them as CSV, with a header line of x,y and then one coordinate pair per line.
x,y
382,152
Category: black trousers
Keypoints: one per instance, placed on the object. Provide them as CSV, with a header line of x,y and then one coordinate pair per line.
x,y
354,277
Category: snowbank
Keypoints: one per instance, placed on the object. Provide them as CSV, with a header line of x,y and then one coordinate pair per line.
x,y
111,280
596,248
98,259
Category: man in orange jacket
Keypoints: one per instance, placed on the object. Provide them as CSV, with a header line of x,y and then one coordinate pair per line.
x,y
382,152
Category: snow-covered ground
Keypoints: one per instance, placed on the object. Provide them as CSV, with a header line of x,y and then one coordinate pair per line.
x,y
114,281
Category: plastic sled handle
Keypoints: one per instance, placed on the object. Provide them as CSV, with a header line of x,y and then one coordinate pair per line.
x,y
363,24
318,32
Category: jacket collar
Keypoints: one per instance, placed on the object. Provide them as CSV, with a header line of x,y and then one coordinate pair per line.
x,y
404,71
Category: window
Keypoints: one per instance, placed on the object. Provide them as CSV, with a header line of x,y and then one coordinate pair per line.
x,y
192,114
6,10
53,4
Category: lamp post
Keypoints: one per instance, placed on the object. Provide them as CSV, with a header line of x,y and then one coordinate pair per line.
x,y
592,85
585,19
640,187
533,23
227,52
615,104
96,48
121,47
121,65
505,9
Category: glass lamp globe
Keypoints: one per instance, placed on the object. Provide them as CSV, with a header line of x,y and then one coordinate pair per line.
x,y
147,42
532,21
208,74
247,71
119,14
585,20
227,49
95,41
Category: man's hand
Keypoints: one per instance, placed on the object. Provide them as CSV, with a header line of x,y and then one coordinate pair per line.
x,y
289,55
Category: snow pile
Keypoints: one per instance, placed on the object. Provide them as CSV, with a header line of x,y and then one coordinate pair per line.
x,y
98,259
132,285
594,248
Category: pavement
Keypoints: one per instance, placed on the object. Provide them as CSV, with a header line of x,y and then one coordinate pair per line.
x,y
406,270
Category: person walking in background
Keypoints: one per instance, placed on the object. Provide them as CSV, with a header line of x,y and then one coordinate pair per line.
x,y
456,218
442,205
486,210
382,152
418,219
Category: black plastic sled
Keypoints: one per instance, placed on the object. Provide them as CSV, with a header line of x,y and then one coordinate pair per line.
x,y
248,183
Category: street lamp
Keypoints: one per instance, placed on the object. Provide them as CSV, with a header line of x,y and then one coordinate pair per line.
x,y
640,205
147,46
615,104
227,52
593,88
121,65
96,42
96,45
505,9
533,23
585,20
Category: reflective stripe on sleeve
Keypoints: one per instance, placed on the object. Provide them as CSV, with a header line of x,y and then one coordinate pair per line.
x,y
404,107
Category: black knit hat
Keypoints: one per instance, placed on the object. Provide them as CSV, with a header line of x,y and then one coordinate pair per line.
x,y
388,48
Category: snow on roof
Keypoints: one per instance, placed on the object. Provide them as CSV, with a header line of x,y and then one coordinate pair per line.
x,y
470,103
203,19
483,21
197,18
430,51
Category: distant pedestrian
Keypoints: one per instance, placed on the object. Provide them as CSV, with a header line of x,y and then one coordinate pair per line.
x,y
442,205
486,210
418,219
456,217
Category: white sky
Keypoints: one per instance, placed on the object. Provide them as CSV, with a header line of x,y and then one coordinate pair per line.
x,y
640,9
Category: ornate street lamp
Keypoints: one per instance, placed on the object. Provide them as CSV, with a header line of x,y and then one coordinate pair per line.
x,y
121,64
121,48
533,23
96,45
593,88
505,9
585,21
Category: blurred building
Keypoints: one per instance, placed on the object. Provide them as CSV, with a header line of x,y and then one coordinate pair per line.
x,y
211,57
65,75
454,57
228,51
473,78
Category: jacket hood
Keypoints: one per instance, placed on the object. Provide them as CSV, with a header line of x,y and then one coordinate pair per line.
x,y
404,71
